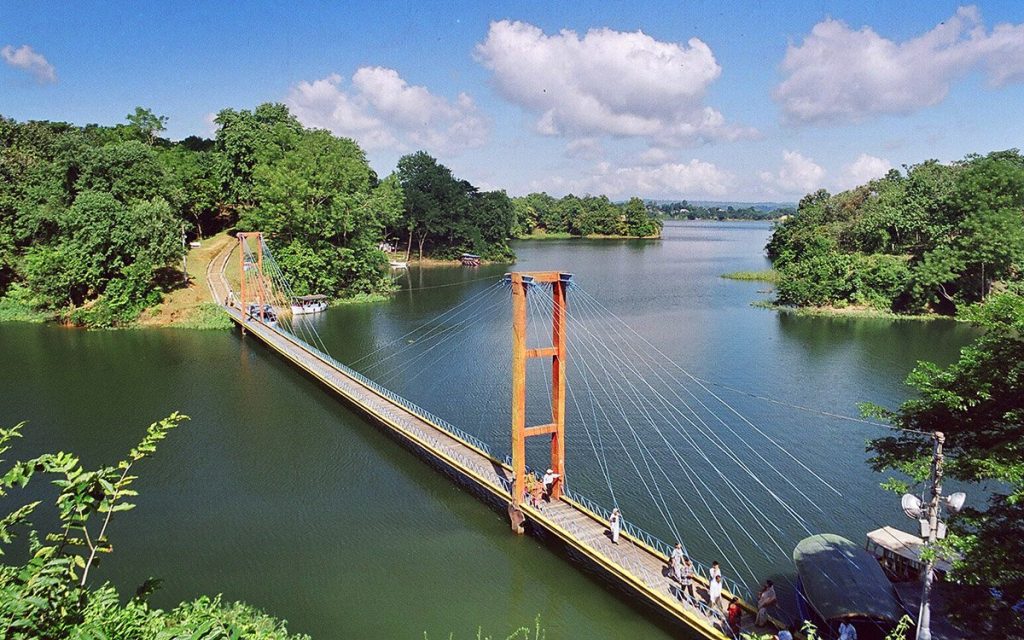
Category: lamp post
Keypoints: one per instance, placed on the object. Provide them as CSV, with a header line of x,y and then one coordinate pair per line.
x,y
932,529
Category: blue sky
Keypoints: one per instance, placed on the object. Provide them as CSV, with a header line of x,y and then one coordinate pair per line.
x,y
699,100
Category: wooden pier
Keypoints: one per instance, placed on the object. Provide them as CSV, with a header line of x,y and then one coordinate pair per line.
x,y
636,566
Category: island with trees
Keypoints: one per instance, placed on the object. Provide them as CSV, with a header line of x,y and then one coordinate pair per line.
x,y
539,215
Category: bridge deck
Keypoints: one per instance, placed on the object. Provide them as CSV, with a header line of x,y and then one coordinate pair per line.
x,y
631,563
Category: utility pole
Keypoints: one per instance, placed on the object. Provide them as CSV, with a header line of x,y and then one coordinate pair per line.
x,y
184,257
924,615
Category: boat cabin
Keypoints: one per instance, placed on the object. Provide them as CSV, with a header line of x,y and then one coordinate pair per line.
x,y
302,305
838,582
470,260
899,554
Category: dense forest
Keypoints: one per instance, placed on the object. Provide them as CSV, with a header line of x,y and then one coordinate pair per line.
x,y
683,210
539,214
94,219
938,238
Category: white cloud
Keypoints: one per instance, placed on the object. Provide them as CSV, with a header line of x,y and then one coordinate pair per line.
x,y
607,83
28,60
864,169
841,75
695,178
797,175
382,111
585,148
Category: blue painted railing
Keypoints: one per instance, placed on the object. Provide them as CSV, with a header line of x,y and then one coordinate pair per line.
x,y
629,528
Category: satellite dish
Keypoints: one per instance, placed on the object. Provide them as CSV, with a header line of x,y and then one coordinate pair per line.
x,y
955,502
911,506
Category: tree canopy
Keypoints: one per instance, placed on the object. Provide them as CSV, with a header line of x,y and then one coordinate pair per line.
x,y
586,216
978,403
446,216
935,239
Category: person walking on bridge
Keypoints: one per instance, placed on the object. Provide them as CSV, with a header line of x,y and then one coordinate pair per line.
x,y
677,563
550,477
734,616
765,599
615,524
715,593
687,579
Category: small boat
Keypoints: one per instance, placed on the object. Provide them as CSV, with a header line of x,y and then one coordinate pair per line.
x,y
899,554
302,305
268,316
470,260
840,582
399,264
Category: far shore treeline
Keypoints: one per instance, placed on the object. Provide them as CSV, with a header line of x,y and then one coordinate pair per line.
x,y
93,218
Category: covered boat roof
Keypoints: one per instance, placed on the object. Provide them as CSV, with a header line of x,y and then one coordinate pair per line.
x,y
312,298
905,544
842,580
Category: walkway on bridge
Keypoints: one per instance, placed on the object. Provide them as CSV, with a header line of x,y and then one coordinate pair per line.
x,y
638,562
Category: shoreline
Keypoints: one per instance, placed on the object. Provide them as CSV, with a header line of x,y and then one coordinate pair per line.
x,y
852,311
592,236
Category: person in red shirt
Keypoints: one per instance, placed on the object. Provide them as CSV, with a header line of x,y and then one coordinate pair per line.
x,y
734,615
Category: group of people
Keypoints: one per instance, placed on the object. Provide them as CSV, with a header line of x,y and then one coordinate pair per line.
x,y
538,491
683,572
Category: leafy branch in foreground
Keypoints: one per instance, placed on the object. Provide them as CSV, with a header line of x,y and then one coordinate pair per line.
x,y
49,596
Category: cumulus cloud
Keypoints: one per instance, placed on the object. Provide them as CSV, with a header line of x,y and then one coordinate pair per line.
x,y
694,178
797,175
25,58
841,75
607,83
585,148
864,169
380,110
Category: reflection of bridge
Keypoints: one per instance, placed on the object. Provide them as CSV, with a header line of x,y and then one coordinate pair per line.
x,y
637,564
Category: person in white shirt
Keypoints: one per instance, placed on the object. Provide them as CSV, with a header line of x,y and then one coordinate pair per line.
x,y
715,593
549,482
715,570
615,524
677,563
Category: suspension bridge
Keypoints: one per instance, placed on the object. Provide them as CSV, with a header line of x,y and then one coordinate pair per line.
x,y
618,386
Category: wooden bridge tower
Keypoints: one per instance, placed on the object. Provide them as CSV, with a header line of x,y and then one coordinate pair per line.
x,y
522,284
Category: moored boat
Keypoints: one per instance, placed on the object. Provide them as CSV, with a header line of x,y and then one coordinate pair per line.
x,y
470,260
303,305
841,582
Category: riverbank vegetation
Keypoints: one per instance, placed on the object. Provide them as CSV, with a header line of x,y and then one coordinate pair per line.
x,y
49,594
933,240
94,220
541,215
978,403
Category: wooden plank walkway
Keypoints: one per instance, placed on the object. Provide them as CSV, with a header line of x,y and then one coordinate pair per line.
x,y
632,563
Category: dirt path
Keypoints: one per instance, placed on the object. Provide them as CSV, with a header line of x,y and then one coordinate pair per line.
x,y
191,305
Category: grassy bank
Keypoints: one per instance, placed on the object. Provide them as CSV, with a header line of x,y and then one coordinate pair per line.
x,y
16,307
190,307
850,311
767,275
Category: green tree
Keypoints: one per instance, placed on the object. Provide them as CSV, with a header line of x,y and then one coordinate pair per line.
x,y
321,197
147,124
977,403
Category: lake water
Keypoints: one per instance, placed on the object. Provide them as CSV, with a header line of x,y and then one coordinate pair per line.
x,y
277,494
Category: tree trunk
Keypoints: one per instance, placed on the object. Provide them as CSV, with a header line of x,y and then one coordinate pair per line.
x,y
408,247
422,239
